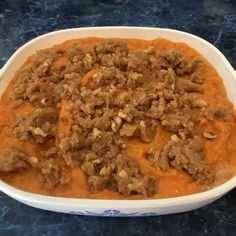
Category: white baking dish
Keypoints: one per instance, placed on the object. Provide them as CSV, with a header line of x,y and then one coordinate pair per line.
x,y
121,207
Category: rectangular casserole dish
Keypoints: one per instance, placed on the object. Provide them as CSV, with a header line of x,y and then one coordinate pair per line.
x,y
121,207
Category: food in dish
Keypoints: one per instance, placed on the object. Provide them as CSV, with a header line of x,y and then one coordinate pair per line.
x,y
116,119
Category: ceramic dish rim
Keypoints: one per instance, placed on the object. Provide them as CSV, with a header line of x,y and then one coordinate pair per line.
x,y
146,203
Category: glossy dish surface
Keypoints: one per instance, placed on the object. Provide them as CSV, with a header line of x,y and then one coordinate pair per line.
x,y
159,206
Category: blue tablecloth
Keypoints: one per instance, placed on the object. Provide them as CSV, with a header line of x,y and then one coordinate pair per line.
x,y
22,20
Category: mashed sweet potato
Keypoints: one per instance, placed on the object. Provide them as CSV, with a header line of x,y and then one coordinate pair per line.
x,y
117,119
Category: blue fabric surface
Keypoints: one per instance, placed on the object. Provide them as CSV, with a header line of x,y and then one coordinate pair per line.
x,y
22,20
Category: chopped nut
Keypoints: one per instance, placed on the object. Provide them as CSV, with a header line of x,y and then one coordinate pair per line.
x,y
97,161
43,101
40,132
150,50
115,125
96,132
210,135
105,171
174,138
123,174
122,115
199,103
34,161
142,124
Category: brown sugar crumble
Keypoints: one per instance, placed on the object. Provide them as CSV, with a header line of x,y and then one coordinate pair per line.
x,y
87,109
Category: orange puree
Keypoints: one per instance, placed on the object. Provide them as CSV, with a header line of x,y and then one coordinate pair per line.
x,y
220,153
